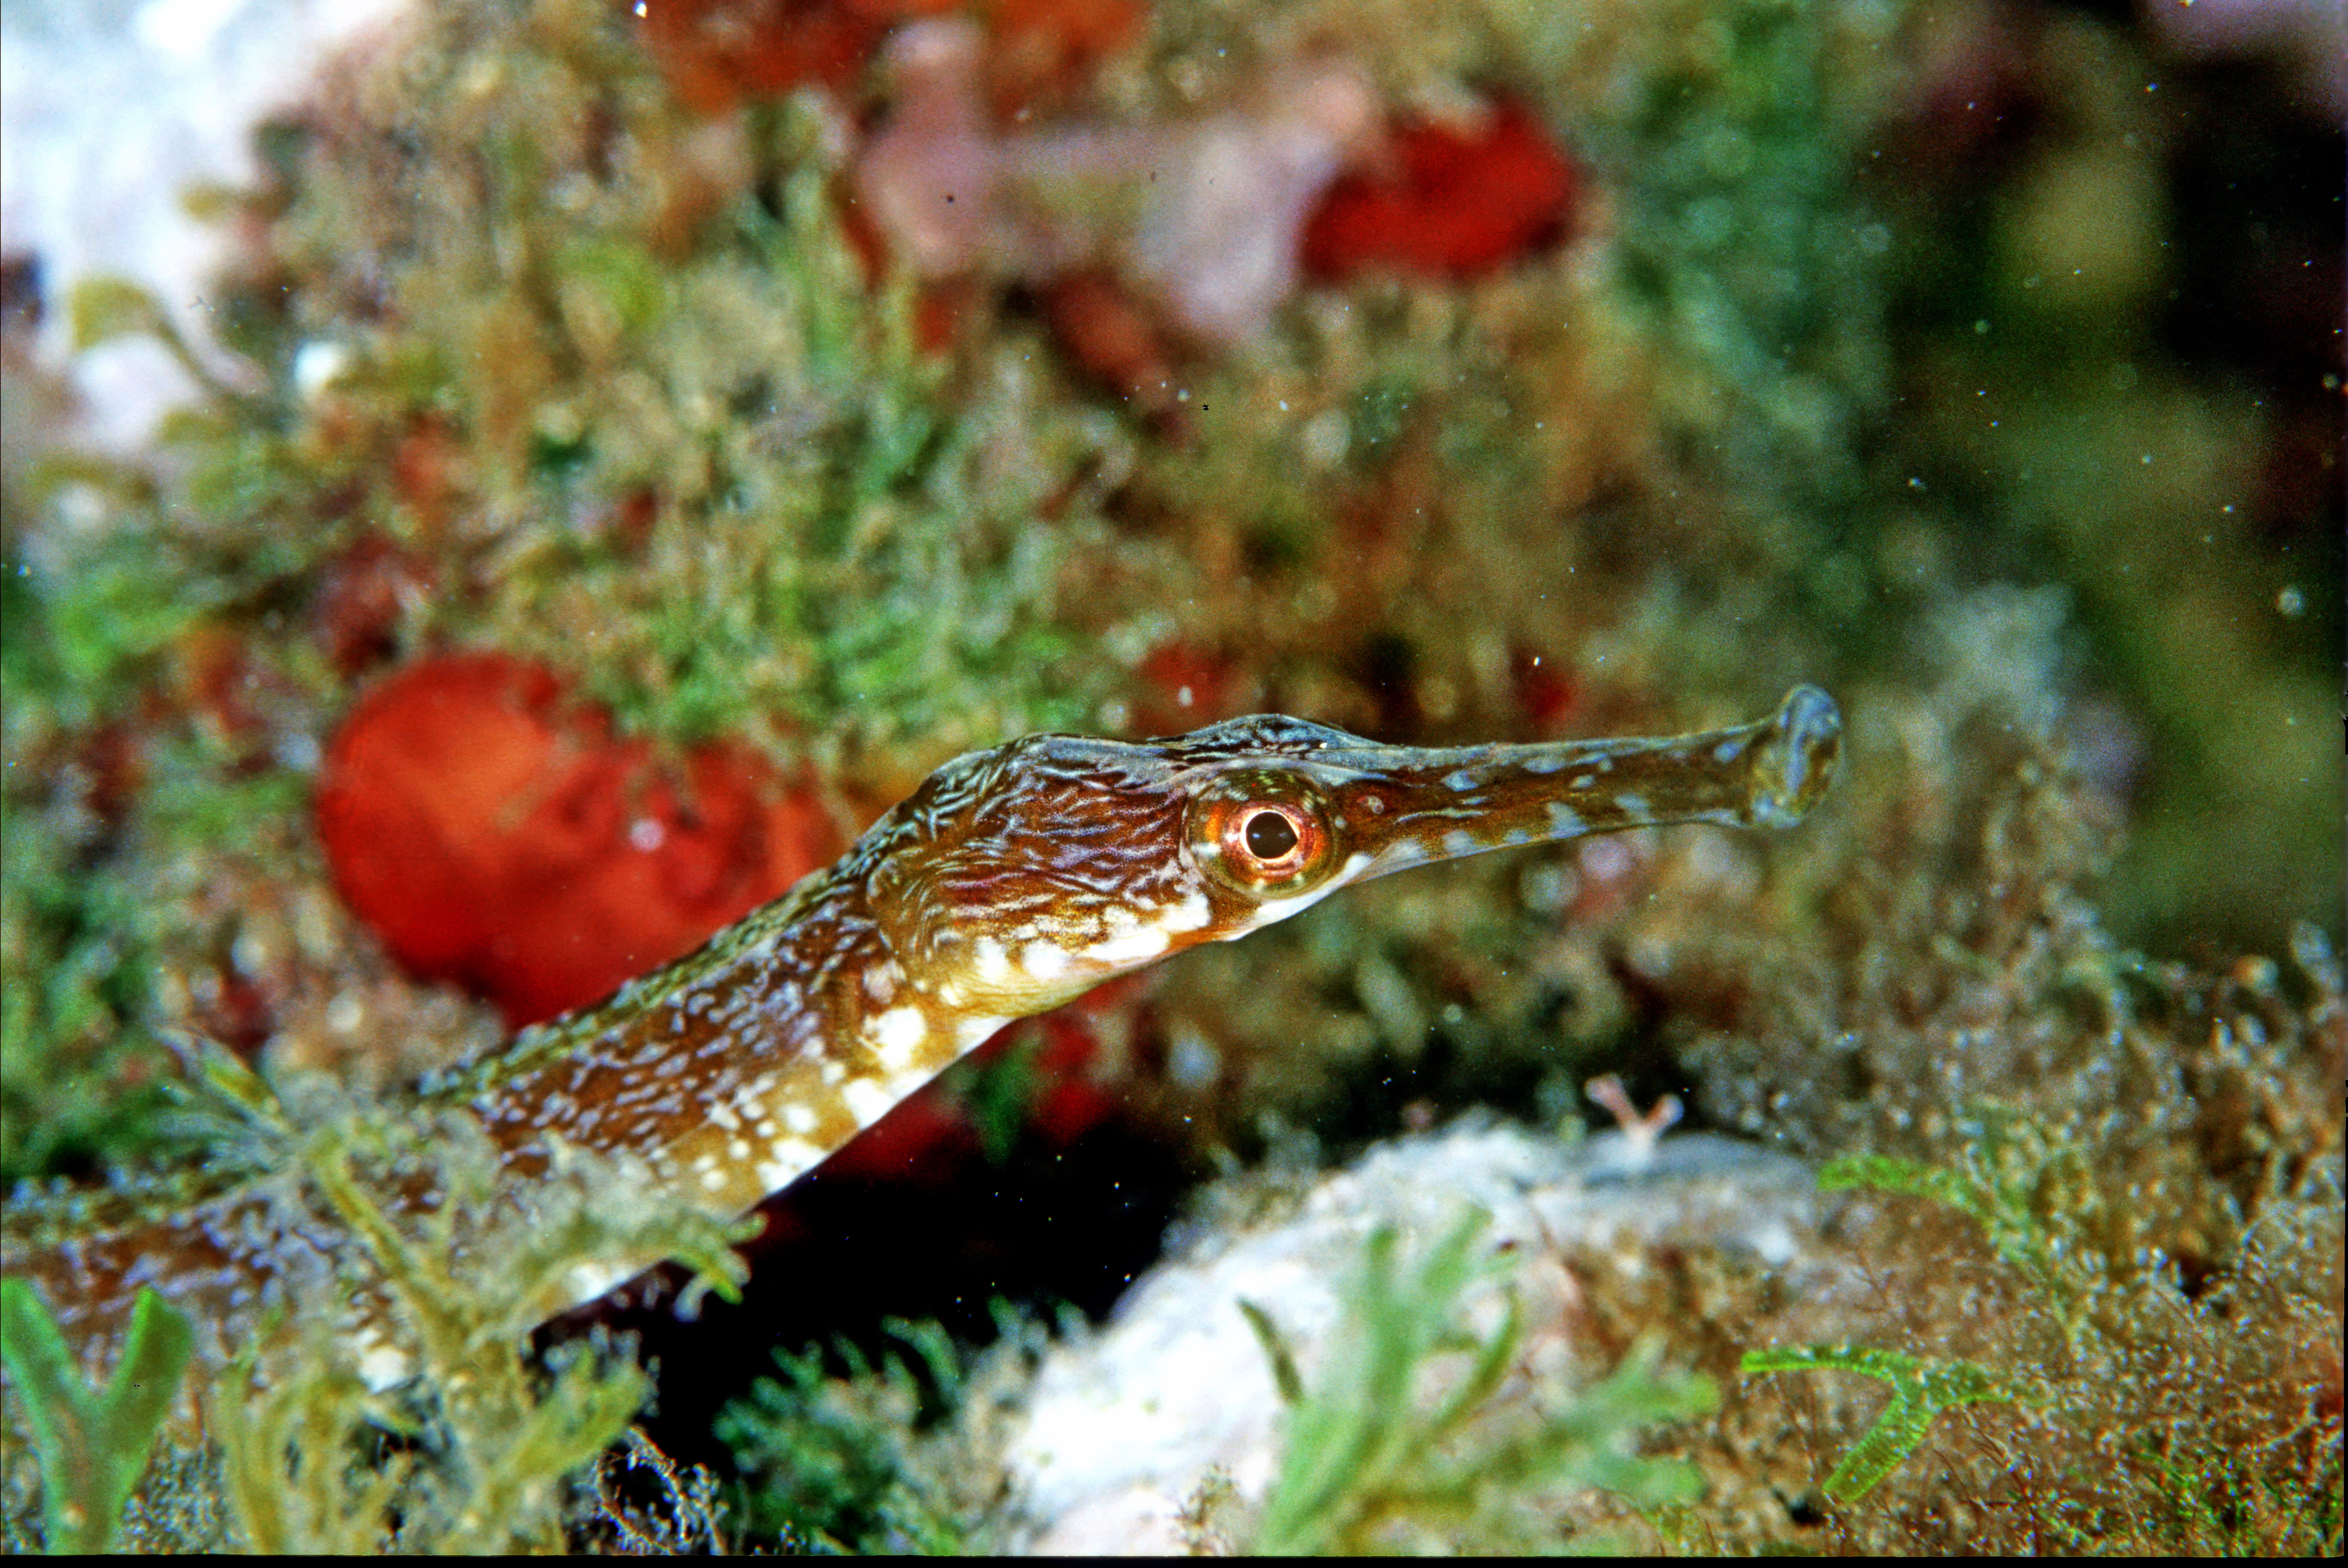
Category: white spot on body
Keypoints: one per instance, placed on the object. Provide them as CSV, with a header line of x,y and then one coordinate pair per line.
x,y
896,1035
800,1118
1636,805
1044,959
994,964
589,1281
1545,764
1564,821
746,1112
1191,915
1728,751
1460,781
786,1163
1130,946
867,1100
973,1032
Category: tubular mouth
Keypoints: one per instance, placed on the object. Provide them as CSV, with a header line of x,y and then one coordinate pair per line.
x,y
1792,758
1395,807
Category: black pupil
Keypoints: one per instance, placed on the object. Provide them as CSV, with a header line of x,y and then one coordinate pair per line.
x,y
1270,835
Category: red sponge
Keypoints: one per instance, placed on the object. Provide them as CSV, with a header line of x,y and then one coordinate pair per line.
x,y
499,836
1449,205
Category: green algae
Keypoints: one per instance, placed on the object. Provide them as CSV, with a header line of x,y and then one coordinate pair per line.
x,y
1921,1389
486,1449
92,1446
2116,1452
1366,1465
69,940
894,1450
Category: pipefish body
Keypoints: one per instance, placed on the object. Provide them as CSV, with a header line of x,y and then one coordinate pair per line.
x,y
1010,882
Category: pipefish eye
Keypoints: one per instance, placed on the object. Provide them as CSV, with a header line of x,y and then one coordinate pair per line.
x,y
1262,833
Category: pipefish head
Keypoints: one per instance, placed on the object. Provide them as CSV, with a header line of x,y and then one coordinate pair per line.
x,y
1045,866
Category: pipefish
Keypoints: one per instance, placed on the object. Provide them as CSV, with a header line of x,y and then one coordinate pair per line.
x,y
1013,879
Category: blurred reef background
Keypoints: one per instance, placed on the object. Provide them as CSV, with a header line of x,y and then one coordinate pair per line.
x,y
603,454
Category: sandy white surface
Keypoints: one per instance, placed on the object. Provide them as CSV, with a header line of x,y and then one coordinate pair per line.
x,y
109,111
1122,1428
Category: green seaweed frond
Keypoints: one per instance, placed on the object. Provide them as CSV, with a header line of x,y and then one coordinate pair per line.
x,y
580,1218
2030,1192
897,1452
844,534
1921,1389
293,1465
2111,1353
480,1447
489,1452
1284,1374
92,1446
841,1462
316,1464
1371,1463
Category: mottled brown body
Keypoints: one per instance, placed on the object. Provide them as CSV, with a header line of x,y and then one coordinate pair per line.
x,y
1010,882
